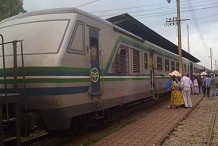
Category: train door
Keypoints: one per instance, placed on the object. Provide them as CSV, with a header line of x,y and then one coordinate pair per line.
x,y
95,67
152,75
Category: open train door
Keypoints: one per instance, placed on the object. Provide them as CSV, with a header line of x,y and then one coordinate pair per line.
x,y
152,75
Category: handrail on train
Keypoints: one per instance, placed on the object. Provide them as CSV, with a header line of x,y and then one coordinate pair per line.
x,y
3,58
11,41
14,43
15,48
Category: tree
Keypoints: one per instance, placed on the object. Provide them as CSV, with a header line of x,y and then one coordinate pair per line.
x,y
10,8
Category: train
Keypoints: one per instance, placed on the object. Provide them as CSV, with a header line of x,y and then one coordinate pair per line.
x,y
77,64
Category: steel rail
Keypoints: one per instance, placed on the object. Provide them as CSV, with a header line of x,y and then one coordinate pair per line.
x,y
34,139
212,124
180,120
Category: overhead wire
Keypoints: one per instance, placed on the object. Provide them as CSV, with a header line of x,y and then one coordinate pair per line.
x,y
153,5
183,11
169,11
201,34
209,21
206,16
213,57
111,10
156,14
192,12
87,3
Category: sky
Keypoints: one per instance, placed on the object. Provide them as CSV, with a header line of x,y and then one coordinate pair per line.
x,y
199,15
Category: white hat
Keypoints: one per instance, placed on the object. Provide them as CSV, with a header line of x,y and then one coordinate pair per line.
x,y
175,73
203,73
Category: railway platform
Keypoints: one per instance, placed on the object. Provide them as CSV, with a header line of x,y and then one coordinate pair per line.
x,y
153,128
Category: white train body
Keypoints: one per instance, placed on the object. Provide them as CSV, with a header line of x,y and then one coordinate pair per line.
x,y
74,61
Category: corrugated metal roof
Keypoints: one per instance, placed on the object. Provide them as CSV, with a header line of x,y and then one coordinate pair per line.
x,y
132,25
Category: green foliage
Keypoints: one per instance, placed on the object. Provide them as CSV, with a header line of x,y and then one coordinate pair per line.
x,y
10,8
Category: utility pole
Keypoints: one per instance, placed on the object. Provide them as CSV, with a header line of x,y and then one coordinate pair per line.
x,y
188,38
211,59
179,35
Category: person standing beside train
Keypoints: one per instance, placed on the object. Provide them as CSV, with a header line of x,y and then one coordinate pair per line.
x,y
176,95
212,86
202,85
180,87
207,84
216,85
199,84
186,84
195,84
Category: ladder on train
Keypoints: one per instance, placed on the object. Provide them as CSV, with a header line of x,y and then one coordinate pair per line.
x,y
9,115
9,98
99,114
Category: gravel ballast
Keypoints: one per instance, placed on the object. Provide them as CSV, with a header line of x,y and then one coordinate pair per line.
x,y
194,130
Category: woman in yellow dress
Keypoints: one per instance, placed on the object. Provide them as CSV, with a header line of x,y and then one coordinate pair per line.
x,y
176,94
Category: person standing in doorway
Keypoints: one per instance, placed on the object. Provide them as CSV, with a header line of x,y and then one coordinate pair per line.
x,y
186,83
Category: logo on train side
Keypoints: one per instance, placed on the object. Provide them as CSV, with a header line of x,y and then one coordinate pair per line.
x,y
94,74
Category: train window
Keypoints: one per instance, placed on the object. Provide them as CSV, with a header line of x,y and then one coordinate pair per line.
x,y
167,65
121,61
93,44
94,48
177,66
115,64
184,68
77,43
145,61
136,61
159,63
172,65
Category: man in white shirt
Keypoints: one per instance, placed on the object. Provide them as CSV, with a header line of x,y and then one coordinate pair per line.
x,y
186,83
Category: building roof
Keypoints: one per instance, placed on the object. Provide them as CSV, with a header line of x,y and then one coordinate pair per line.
x,y
132,25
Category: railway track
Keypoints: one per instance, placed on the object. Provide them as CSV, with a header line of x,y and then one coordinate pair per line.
x,y
199,127
70,137
214,120
34,137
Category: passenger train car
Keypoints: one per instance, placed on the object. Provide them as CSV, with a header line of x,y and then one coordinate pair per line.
x,y
77,63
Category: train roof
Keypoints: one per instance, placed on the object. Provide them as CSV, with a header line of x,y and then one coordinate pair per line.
x,y
70,10
124,23
132,25
57,11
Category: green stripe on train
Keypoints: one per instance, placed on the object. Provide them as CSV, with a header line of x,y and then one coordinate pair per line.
x,y
39,69
45,80
67,80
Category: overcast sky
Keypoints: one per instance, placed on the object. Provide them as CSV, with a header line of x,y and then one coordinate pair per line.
x,y
203,23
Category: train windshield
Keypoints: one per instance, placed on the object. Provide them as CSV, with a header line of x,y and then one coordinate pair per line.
x,y
40,37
